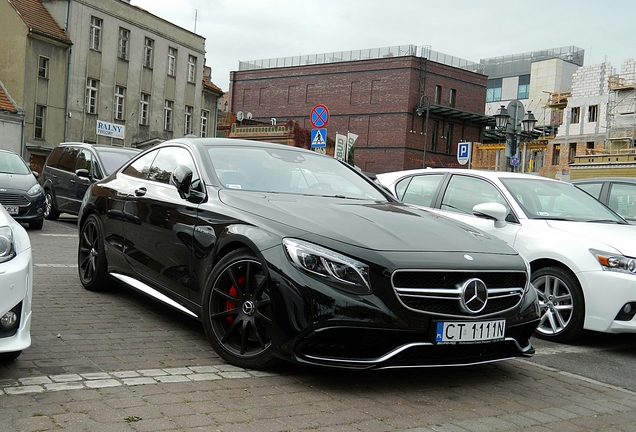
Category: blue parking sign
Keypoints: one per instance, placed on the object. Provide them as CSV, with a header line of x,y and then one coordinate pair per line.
x,y
463,152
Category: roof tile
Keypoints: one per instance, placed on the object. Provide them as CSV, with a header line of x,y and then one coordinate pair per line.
x,y
38,19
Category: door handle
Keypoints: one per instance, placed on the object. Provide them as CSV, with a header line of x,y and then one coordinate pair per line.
x,y
141,191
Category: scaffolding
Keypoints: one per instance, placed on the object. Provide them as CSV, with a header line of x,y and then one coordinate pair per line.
x,y
621,114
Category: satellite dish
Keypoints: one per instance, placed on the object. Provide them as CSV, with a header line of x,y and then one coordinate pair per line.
x,y
248,115
240,116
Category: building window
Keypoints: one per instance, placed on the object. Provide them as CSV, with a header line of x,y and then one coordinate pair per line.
x,y
43,67
122,50
92,86
96,33
172,61
167,115
452,98
205,114
449,138
144,109
438,94
192,68
523,87
493,91
40,111
572,152
187,129
575,114
592,113
589,148
434,135
148,46
120,98
556,154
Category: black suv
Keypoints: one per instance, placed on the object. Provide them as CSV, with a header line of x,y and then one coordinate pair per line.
x,y
72,167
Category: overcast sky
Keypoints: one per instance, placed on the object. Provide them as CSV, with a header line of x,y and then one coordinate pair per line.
x,y
241,30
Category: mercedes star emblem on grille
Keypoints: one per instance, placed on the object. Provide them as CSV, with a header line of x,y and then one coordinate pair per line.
x,y
474,296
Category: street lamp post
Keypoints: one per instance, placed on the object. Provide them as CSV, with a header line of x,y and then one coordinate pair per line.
x,y
421,109
516,122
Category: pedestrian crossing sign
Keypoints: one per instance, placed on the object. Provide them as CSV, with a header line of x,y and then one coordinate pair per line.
x,y
318,138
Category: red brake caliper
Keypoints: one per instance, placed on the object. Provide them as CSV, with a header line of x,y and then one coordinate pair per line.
x,y
229,305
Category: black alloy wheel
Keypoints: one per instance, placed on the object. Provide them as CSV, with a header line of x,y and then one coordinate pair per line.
x,y
237,312
91,260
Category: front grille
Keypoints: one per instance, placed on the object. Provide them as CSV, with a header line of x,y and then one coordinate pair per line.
x,y
12,199
440,292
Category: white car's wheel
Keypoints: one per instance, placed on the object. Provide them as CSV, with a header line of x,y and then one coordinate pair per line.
x,y
561,303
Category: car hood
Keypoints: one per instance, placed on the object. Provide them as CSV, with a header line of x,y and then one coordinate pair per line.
x,y
378,226
619,237
17,181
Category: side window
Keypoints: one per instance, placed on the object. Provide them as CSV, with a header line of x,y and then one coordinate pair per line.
x,y
421,190
54,157
464,192
67,161
141,167
84,161
167,160
621,200
593,189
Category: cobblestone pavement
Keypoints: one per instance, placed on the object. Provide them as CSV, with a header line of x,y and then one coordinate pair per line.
x,y
119,362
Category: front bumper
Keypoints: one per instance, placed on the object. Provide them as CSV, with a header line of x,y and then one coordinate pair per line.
x,y
606,292
16,293
319,325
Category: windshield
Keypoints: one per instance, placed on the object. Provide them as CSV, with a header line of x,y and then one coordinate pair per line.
x,y
11,163
545,199
288,171
113,159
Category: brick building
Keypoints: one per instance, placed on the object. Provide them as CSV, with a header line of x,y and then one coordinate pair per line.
x,y
382,95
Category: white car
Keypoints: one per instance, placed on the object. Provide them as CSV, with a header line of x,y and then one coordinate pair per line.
x,y
582,254
16,287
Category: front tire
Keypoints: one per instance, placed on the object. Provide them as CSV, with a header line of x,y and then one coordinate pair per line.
x,y
9,356
561,303
237,312
91,259
50,212
37,225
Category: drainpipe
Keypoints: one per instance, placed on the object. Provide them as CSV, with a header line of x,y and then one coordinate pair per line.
x,y
67,113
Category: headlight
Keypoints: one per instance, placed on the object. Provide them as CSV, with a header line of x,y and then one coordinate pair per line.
x,y
36,189
346,273
615,262
7,245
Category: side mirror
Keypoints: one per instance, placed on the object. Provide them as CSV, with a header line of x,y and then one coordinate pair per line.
x,y
494,211
83,172
181,178
36,174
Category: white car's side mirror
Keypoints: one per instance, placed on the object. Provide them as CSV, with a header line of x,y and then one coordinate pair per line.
x,y
494,211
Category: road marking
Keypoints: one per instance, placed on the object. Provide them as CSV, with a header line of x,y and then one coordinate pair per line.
x,y
56,265
58,235
71,381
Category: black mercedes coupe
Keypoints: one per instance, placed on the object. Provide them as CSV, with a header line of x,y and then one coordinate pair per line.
x,y
284,253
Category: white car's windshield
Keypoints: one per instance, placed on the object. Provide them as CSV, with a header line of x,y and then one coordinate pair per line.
x,y
545,199
288,171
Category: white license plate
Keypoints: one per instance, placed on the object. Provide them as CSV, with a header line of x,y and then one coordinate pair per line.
x,y
469,331
12,210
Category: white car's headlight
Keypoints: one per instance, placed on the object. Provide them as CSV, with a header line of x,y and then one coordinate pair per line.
x,y
35,189
340,270
615,262
7,244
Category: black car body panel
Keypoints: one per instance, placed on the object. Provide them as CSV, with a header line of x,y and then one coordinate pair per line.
x,y
413,267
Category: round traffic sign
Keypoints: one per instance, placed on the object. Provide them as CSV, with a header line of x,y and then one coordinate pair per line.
x,y
319,116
